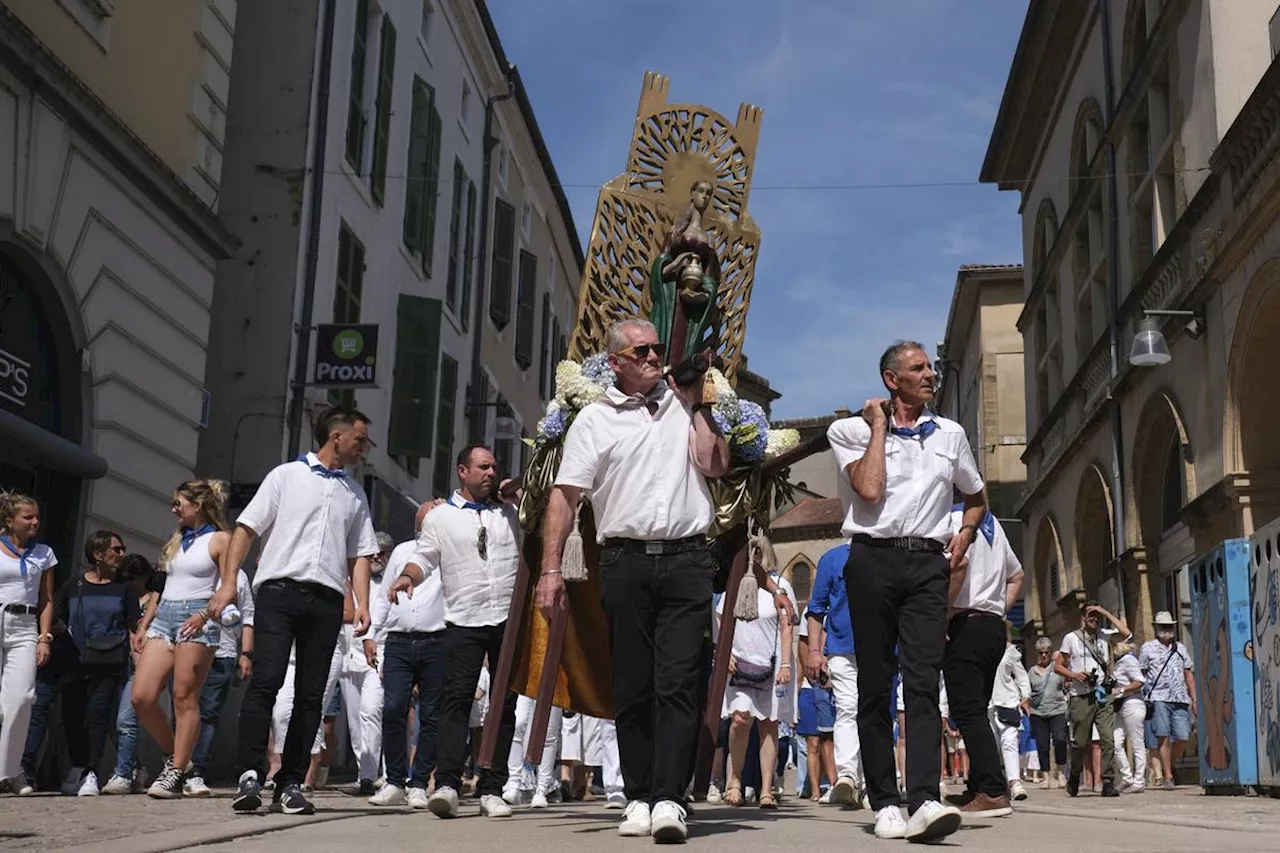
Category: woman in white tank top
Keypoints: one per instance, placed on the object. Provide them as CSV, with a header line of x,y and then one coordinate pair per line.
x,y
177,636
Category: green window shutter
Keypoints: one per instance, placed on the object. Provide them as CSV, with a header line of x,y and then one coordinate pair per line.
x,y
468,255
442,470
413,391
432,184
355,99
504,238
382,127
452,283
544,367
415,192
525,306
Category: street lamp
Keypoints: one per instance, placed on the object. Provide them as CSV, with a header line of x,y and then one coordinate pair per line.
x,y
1149,348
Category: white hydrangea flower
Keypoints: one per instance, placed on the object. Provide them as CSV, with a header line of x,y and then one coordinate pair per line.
x,y
781,441
726,398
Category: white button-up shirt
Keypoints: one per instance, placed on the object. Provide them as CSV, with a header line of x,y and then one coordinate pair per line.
x,y
992,564
919,476
310,525
424,613
637,470
477,590
229,641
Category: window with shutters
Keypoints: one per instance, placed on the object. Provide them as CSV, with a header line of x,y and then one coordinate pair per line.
x,y
468,255
453,284
545,342
422,174
525,306
413,387
442,471
355,98
504,246
348,292
382,123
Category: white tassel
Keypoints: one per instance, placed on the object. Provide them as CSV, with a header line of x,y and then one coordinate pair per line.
x,y
747,606
573,563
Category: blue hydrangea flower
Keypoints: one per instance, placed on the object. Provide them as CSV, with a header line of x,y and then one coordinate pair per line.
x,y
555,423
751,435
596,369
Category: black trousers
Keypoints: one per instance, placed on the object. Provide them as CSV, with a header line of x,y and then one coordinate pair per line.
x,y
658,609
975,647
464,653
89,697
898,607
1046,729
288,612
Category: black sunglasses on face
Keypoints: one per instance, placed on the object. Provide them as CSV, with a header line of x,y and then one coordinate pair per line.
x,y
641,351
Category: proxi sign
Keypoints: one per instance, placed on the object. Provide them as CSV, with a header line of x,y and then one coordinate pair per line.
x,y
15,379
346,356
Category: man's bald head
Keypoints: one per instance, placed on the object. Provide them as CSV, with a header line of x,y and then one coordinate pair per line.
x,y
422,513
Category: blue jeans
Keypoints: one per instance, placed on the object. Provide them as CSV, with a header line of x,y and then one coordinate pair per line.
x,y
800,746
126,732
213,695
410,659
48,678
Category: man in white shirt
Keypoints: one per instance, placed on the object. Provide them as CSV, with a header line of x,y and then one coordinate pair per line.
x,y
412,634
317,536
360,682
981,593
1085,661
641,455
898,466
473,541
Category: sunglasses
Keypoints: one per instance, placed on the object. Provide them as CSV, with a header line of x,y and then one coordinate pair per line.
x,y
482,543
641,351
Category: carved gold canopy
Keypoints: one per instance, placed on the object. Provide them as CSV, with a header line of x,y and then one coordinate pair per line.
x,y
673,146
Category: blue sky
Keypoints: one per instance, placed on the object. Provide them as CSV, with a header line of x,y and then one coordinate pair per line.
x,y
854,92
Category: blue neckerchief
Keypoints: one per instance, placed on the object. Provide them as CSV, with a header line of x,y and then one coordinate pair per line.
x,y
336,473
987,525
478,507
189,536
921,431
22,553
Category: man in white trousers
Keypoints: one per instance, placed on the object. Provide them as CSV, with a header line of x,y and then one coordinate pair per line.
x,y
361,682
828,615
526,783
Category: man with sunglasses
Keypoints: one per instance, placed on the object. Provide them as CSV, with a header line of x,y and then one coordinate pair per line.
x,y
641,455
317,536
472,540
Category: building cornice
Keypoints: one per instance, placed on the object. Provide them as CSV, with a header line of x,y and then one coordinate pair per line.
x,y
39,68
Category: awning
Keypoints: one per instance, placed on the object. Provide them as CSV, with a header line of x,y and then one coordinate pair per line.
x,y
45,448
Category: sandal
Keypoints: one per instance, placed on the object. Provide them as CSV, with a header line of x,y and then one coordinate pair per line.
x,y
767,801
732,796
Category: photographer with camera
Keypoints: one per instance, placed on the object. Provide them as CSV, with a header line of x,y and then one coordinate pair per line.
x,y
1085,660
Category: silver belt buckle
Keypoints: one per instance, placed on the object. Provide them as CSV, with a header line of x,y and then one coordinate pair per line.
x,y
653,549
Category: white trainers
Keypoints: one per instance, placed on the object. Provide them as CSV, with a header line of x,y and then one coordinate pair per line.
x,y
713,794
1017,791
890,824
512,795
88,785
20,786
118,785
825,799
195,787
616,801
844,792
416,797
390,795
636,822
933,821
668,823
444,802
492,806
538,801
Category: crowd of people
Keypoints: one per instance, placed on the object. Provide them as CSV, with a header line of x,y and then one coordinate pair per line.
x,y
900,671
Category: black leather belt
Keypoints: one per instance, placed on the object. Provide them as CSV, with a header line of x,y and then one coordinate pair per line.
x,y
902,543
26,609
658,547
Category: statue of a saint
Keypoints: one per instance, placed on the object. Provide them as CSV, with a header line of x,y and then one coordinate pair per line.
x,y
683,282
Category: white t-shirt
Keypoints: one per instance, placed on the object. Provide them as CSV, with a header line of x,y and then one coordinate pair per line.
x,y
16,589
919,476
1079,659
637,470
992,564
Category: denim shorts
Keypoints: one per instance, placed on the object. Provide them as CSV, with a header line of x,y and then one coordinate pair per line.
x,y
1171,719
171,615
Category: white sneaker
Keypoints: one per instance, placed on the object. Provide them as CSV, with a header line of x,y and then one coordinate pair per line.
x,y
713,794
1017,791
616,801
749,795
933,821
20,786
890,824
89,785
380,782
390,795
864,801
668,825
825,799
444,802
196,787
637,822
512,795
538,801
71,782
416,797
844,791
491,806
118,785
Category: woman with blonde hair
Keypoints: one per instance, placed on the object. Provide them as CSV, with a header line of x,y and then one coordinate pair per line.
x,y
26,624
178,637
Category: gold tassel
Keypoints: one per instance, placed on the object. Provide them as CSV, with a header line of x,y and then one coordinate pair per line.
x,y
573,563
